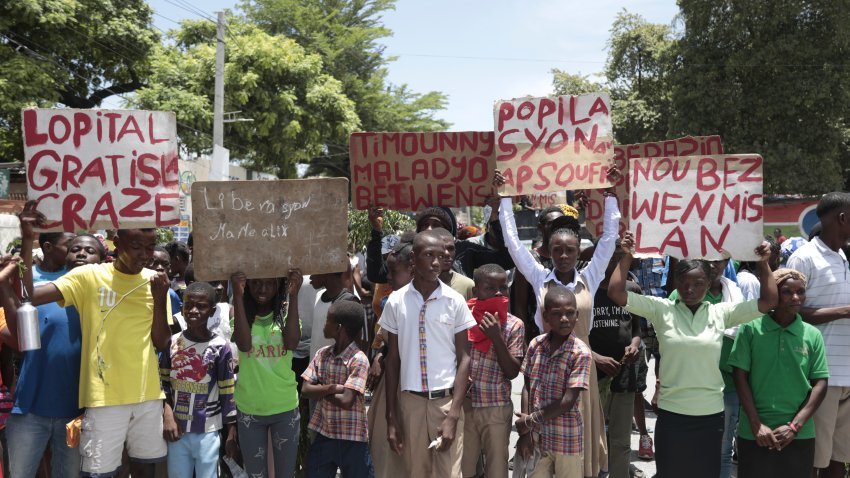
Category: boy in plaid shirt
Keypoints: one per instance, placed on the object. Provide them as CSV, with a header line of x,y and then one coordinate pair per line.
x,y
496,354
557,369
336,379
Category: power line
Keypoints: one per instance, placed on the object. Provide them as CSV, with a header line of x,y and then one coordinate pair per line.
x,y
166,18
493,58
191,9
545,60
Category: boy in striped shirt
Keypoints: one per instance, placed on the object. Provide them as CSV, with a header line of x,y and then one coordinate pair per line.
x,y
556,369
336,379
496,353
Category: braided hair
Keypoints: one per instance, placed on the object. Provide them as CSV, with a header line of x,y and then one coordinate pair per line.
x,y
279,303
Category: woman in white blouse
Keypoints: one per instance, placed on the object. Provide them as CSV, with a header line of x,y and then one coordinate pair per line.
x,y
564,250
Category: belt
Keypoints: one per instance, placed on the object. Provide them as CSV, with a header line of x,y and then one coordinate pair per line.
x,y
432,394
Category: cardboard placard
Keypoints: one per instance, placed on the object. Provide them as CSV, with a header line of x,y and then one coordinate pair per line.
x,y
102,169
265,228
697,207
553,144
410,171
685,146
544,200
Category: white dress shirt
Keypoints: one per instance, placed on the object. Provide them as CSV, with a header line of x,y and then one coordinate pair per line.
x,y
538,276
446,314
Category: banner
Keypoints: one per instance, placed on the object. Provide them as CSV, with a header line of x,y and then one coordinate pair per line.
x,y
692,207
102,169
686,146
544,200
265,228
553,144
411,171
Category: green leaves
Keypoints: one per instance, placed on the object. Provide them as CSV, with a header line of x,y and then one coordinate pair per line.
x,y
296,107
770,78
70,52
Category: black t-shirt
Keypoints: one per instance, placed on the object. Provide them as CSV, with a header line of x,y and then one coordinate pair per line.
x,y
612,325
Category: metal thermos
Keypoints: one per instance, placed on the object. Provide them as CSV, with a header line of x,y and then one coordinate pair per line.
x,y
29,331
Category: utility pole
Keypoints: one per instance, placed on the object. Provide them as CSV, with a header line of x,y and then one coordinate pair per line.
x,y
219,163
218,108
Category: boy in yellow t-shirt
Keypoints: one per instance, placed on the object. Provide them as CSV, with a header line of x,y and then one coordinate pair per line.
x,y
123,313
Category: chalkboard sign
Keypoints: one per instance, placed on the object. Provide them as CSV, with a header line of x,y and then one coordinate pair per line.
x,y
264,228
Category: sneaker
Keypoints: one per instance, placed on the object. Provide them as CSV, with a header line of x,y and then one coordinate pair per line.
x,y
645,450
635,472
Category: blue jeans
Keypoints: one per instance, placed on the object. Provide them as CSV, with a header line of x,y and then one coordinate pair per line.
x,y
28,436
198,451
731,406
351,457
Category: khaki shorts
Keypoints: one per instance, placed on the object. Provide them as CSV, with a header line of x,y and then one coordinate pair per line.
x,y
105,429
559,466
487,429
832,428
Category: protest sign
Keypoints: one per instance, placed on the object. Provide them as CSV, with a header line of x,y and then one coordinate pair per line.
x,y
692,207
553,144
410,171
544,200
102,169
686,146
265,228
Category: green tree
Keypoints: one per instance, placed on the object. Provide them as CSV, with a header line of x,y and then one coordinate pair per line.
x,y
636,77
638,69
74,53
770,78
295,107
359,229
565,83
345,33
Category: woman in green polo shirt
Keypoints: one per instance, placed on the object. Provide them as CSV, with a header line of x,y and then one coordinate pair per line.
x,y
689,430
266,332
779,367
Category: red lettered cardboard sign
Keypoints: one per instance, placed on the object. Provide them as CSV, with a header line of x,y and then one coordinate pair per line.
x,y
544,200
265,228
686,146
410,171
693,207
553,144
94,169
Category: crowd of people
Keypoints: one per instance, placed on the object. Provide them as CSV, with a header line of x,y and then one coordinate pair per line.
x,y
144,371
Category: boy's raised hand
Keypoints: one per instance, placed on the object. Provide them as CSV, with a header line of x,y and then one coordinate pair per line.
x,y
9,267
498,179
627,244
30,218
295,279
763,251
376,218
238,281
580,199
613,175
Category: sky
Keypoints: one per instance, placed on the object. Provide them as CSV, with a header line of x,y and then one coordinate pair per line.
x,y
476,51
